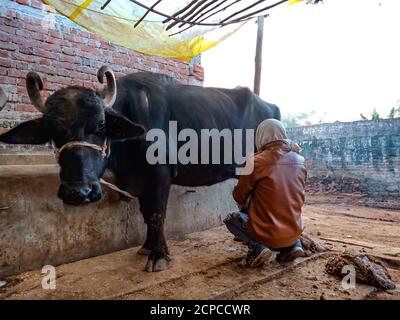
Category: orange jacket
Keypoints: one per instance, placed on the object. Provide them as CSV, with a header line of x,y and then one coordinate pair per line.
x,y
276,188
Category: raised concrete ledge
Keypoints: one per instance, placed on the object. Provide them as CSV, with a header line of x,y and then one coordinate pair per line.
x,y
9,171
37,228
26,159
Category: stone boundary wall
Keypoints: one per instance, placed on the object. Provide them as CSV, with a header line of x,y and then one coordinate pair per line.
x,y
360,156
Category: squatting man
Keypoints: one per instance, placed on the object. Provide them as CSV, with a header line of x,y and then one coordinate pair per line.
x,y
270,198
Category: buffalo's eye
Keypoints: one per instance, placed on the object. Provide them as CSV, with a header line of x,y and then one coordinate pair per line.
x,y
101,125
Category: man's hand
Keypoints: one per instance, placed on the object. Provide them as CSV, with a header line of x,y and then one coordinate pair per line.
x,y
244,208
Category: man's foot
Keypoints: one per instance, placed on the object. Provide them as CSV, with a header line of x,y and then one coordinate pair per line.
x,y
290,254
256,255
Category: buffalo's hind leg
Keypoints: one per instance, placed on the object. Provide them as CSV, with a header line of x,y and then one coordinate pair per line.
x,y
145,250
153,205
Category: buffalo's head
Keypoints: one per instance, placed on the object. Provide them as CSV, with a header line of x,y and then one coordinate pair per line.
x,y
80,122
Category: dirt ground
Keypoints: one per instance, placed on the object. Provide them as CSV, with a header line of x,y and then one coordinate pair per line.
x,y
206,265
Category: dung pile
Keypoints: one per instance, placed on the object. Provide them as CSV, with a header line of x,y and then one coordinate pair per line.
x,y
367,269
310,246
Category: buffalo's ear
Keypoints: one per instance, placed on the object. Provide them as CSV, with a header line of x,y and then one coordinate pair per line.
x,y
29,132
120,127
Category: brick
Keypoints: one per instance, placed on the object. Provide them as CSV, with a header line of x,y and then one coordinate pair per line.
x,y
5,37
24,107
44,53
37,4
7,45
70,59
59,80
20,65
11,14
22,90
5,63
50,47
16,73
25,42
64,65
15,23
25,50
55,34
44,61
23,57
76,39
58,42
6,29
70,51
35,28
43,69
80,76
4,53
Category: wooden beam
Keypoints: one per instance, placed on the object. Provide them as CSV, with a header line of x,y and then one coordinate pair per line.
x,y
258,59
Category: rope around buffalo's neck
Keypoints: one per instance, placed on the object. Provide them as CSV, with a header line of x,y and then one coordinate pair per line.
x,y
103,150
68,145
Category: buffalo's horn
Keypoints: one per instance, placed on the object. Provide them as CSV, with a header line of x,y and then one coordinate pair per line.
x,y
3,98
111,91
34,85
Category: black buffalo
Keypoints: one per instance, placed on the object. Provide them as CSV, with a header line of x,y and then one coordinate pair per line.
x,y
140,102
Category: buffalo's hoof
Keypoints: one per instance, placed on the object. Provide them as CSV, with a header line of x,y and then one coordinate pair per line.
x,y
143,251
158,265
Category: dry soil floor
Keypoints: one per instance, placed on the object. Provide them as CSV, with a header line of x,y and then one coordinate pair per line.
x,y
206,264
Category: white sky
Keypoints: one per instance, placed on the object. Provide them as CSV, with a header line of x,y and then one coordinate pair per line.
x,y
338,58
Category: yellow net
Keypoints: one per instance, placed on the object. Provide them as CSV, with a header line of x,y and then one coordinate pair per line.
x,y
116,24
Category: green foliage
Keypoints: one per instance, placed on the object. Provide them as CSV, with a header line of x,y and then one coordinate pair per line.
x,y
392,113
375,115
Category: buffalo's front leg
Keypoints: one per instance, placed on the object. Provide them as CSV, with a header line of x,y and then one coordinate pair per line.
x,y
159,255
153,205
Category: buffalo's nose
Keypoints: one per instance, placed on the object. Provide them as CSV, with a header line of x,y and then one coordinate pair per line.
x,y
75,194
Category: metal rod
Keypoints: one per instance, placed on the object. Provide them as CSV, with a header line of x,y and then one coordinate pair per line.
x,y
186,14
195,14
256,12
211,9
244,9
199,17
181,10
222,9
105,4
147,12
170,17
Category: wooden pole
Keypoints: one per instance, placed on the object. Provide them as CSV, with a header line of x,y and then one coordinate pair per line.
x,y
258,59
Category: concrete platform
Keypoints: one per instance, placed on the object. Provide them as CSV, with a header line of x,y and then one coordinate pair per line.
x,y
37,228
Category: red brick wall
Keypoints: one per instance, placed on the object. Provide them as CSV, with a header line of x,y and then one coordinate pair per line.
x,y
33,37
